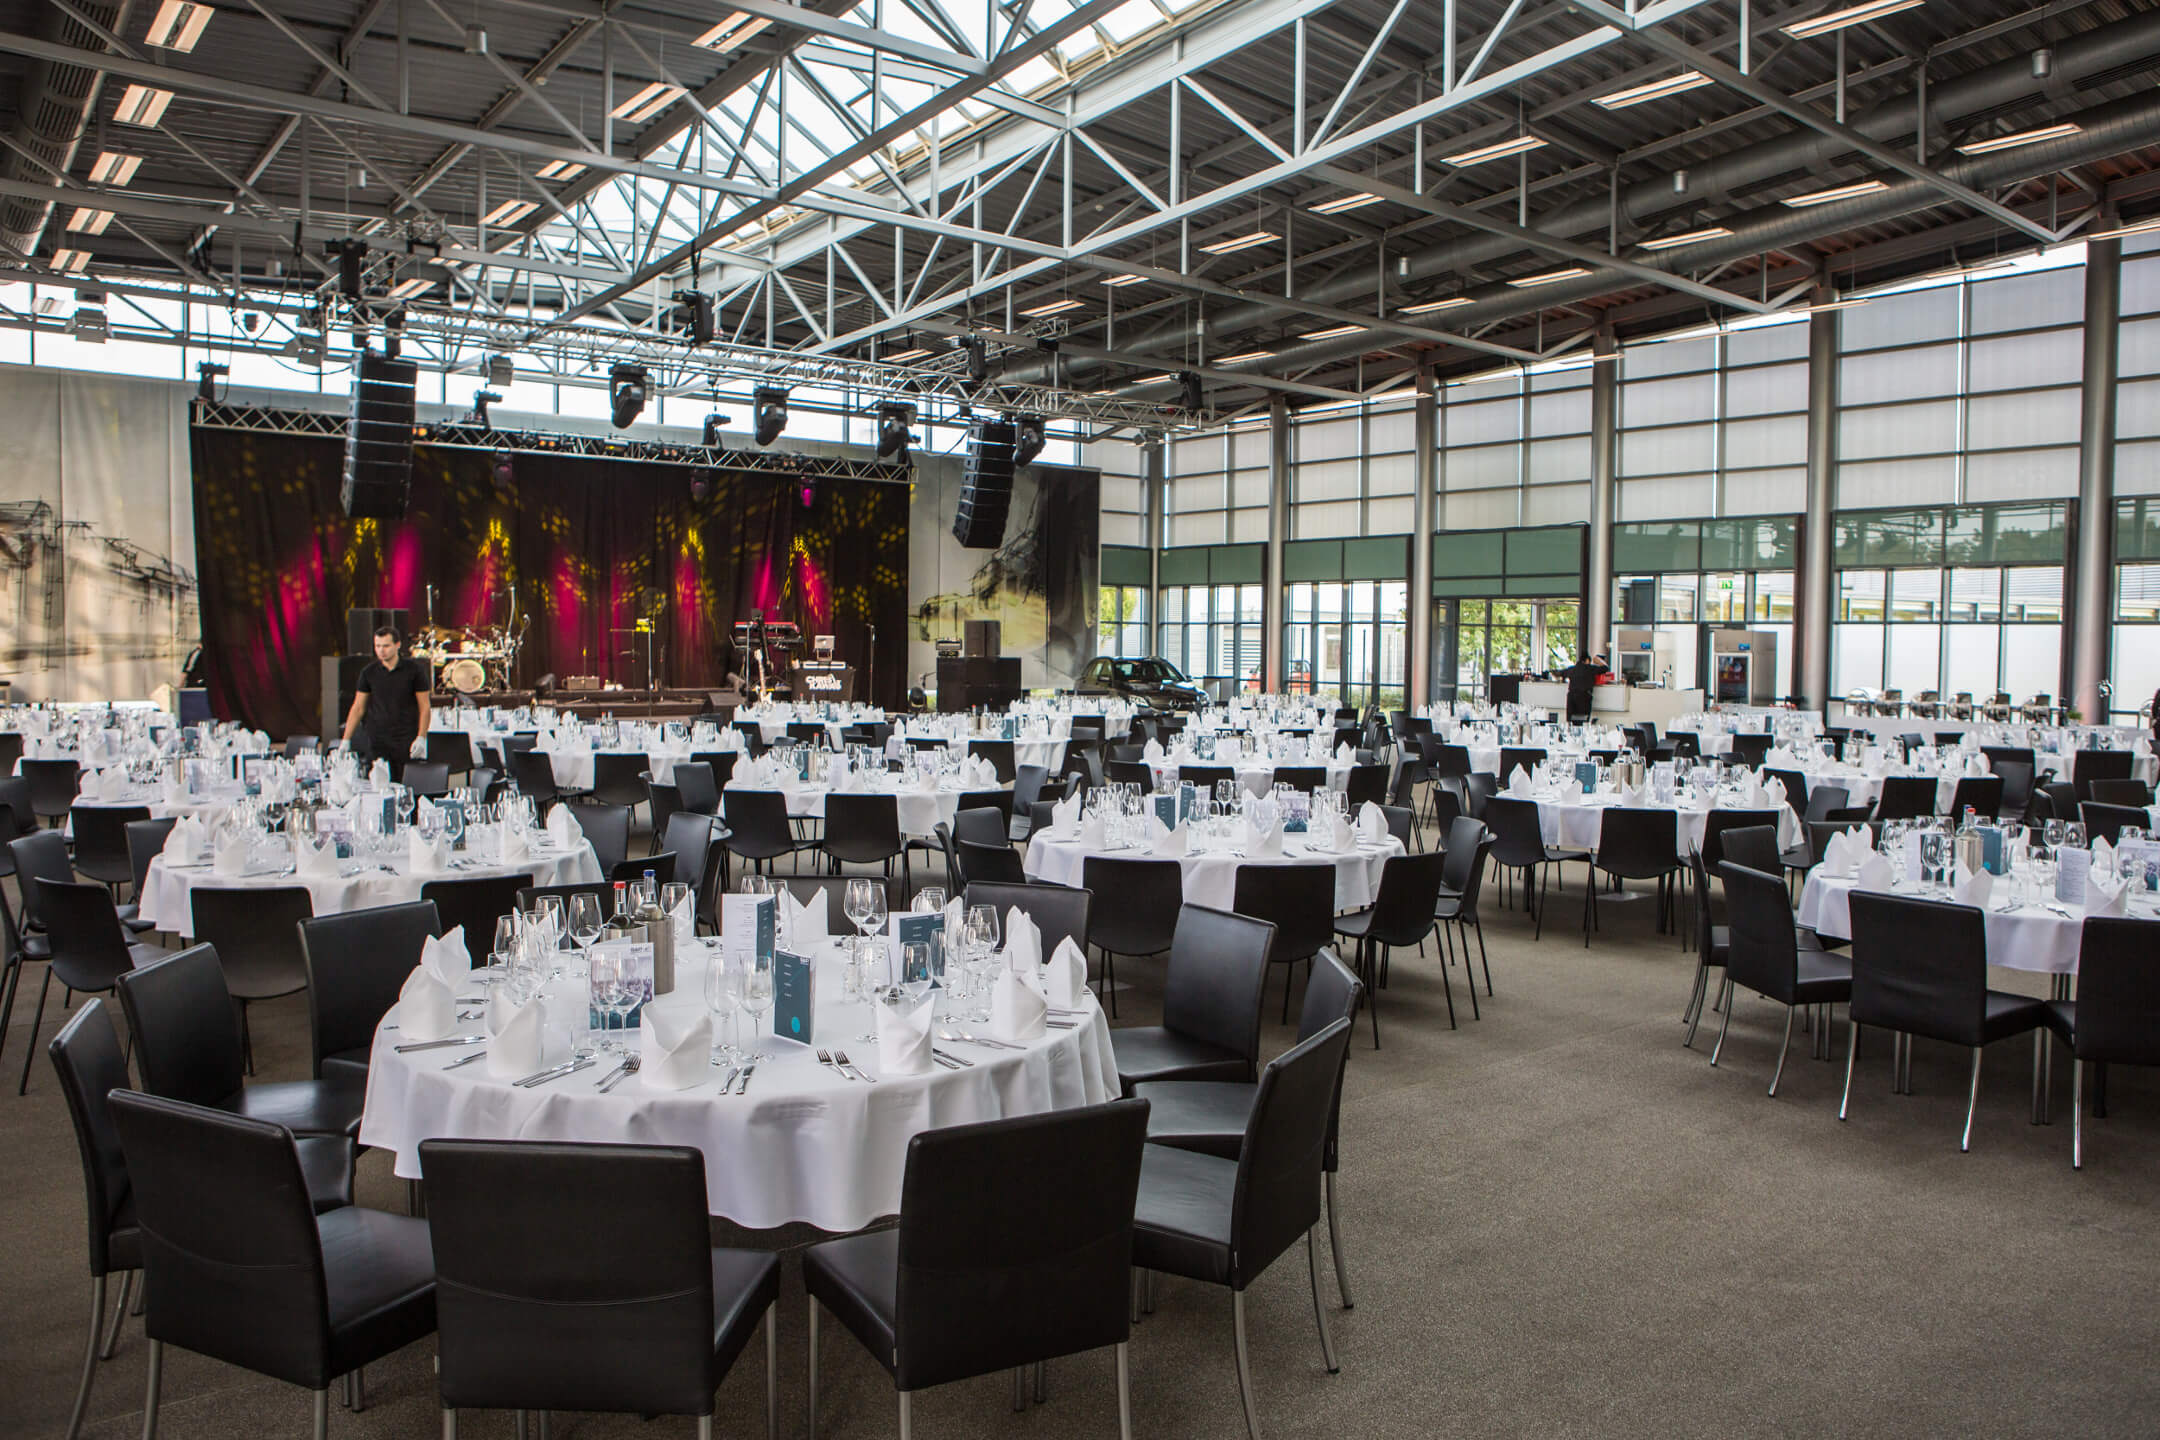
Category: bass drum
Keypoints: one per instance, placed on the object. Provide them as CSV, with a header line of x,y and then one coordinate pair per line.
x,y
465,675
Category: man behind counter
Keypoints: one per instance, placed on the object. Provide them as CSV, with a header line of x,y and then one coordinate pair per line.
x,y
1582,677
392,699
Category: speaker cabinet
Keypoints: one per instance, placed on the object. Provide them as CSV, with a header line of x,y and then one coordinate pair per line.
x,y
360,626
985,486
379,438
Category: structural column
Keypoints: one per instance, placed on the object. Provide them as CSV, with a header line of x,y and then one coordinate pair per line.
x,y
2092,572
1604,493
1278,526
1152,497
1811,662
1424,440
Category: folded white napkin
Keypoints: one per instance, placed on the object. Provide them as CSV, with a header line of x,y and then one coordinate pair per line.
x,y
683,921
1875,874
1571,791
675,1049
1065,814
2103,856
926,782
562,826
1066,979
1344,755
1016,1011
1092,836
1372,824
379,775
1635,797
427,1003
1518,783
1970,888
1157,831
1840,857
1270,842
315,859
805,923
514,849
184,845
1173,843
518,1038
2106,895
903,1036
1342,838
1773,792
231,858
172,792
1023,943
424,856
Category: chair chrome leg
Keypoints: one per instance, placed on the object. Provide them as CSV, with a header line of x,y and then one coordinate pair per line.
x,y
1783,1049
772,1373
1723,1026
1244,1366
547,1424
907,1418
810,1426
150,1390
1852,1048
1972,1103
1147,1291
91,1352
345,1396
2077,1113
1124,1392
322,1413
1042,1382
1319,1311
1693,1018
1334,1235
1019,1395
449,1425
2038,1118
704,1427
1702,974
119,1314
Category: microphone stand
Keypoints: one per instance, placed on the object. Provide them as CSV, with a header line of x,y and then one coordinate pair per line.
x,y
870,670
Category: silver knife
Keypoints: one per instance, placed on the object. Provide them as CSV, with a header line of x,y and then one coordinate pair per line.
x,y
742,1078
953,1060
568,1067
727,1078
476,1055
945,1060
443,1044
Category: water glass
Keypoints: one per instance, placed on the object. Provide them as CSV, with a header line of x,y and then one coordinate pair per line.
x,y
757,994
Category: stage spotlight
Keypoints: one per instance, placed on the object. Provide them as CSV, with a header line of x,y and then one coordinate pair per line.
x,y
501,370
806,491
1189,383
351,255
505,472
978,359
627,386
895,430
768,404
480,401
694,316
713,423
701,485
1027,439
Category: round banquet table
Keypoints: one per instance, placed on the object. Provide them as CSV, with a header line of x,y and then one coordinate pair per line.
x,y
1258,775
2019,937
574,768
803,1143
1048,753
921,811
1577,824
167,892
1211,879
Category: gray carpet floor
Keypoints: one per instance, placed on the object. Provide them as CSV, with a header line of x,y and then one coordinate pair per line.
x,y
1558,1222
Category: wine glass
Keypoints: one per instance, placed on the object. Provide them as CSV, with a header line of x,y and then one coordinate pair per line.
x,y
405,802
915,970
757,996
609,982
723,997
506,940
673,894
982,940
585,921
930,900
755,884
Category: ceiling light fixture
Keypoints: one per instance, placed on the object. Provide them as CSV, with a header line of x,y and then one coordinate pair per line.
x,y
1678,84
1333,333
647,103
2021,137
1692,237
560,170
2136,227
1239,242
509,212
1851,15
1834,193
406,289
178,24
1427,307
1050,307
114,168
1346,202
72,261
1119,282
731,32
1517,146
913,352
86,221
1549,277
142,105
1244,355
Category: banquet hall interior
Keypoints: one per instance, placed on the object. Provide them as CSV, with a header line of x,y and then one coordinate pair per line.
x,y
724,716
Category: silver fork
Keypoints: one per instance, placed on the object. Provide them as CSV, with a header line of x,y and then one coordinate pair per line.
x,y
623,1071
824,1057
840,1058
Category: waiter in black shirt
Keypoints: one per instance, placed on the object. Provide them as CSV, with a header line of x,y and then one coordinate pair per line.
x,y
393,700
1582,677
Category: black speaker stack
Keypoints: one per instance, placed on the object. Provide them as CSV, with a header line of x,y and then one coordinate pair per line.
x,y
379,438
985,485
361,622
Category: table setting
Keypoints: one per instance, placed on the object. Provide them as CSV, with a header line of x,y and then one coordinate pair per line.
x,y
1572,798
926,785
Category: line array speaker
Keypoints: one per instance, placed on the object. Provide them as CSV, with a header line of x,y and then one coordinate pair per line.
x,y
985,485
379,438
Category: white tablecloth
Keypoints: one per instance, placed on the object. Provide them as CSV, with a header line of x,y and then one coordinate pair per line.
x,y
1258,776
166,894
921,811
2026,938
574,768
1576,824
803,1144
1211,879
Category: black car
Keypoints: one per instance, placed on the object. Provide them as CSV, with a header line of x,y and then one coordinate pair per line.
x,y
1152,682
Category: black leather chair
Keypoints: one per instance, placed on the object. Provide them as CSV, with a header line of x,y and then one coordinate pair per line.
x,y
356,963
101,851
238,1267
1211,1116
1906,797
1028,782
865,830
90,951
607,829
145,842
1000,755
2017,796
618,779
1299,901
1754,846
1529,758
1767,954
52,785
534,774
2106,822
753,737
1518,844
88,1058
1130,772
1822,799
477,903
691,837
697,787
1211,1004
1751,749
1302,778
451,749
981,825
997,863
1477,788
661,867
1203,778
758,829
1638,844
583,1277
1059,912
256,936
1144,921
1462,880
1225,1222
427,778
2116,1018
1402,913
662,800
2090,765
1919,967
1712,942
187,1047
1983,793
957,1290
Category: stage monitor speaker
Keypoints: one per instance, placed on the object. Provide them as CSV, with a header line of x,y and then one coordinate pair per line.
x,y
983,637
985,486
379,438
361,624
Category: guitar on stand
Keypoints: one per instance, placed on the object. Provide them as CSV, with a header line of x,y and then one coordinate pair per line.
x,y
755,637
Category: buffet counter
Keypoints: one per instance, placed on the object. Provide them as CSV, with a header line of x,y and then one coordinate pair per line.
x,y
1634,704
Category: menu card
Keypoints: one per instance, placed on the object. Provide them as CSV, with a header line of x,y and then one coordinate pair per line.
x,y
746,926
794,996
915,928
2072,869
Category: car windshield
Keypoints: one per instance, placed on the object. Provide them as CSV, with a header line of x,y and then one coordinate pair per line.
x,y
1146,672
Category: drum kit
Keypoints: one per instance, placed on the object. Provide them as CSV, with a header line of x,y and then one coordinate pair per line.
x,y
470,659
